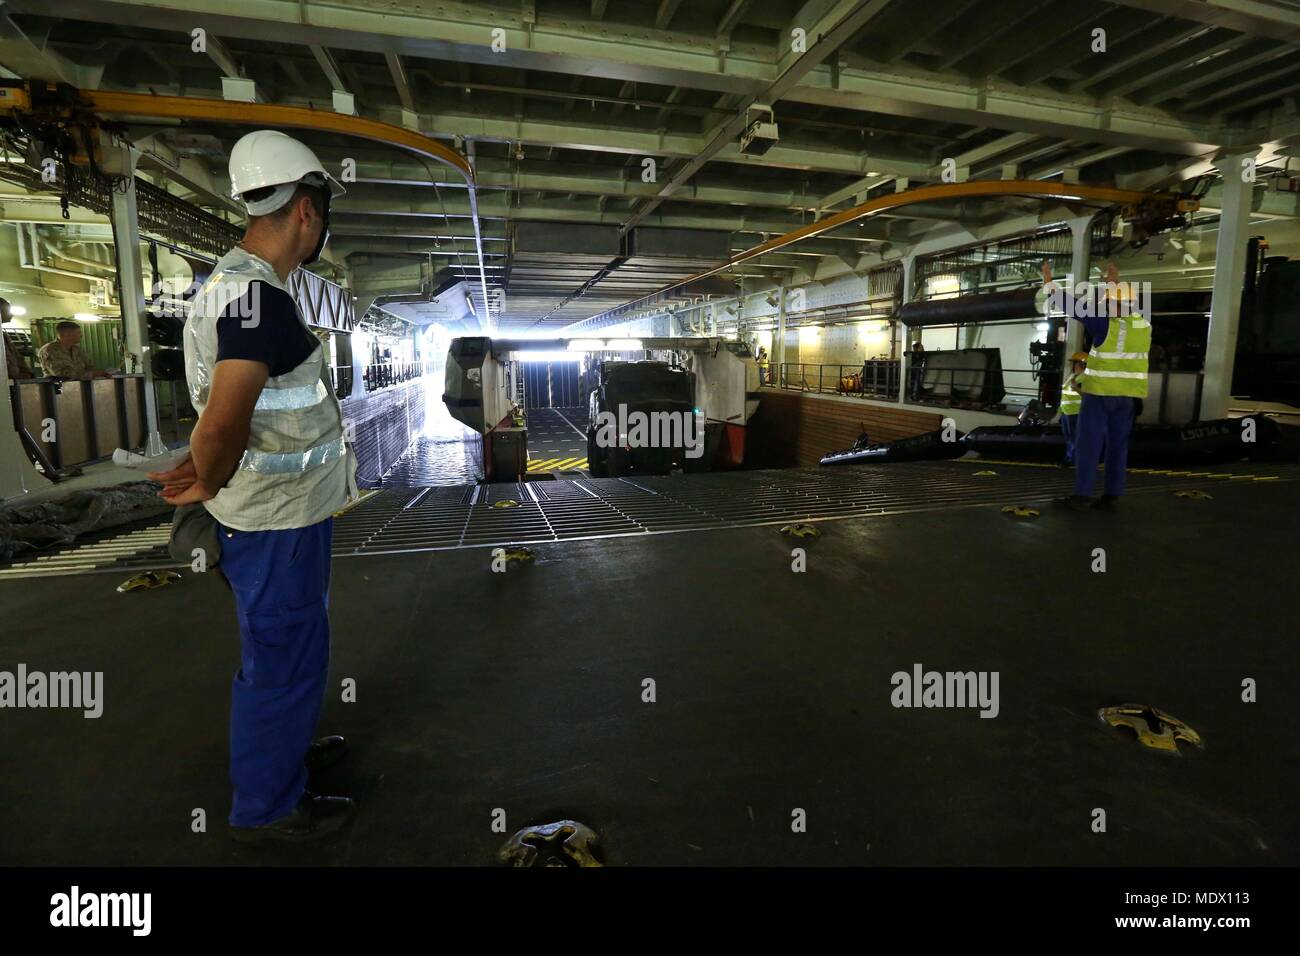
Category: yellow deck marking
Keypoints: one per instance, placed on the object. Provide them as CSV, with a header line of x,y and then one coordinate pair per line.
x,y
556,464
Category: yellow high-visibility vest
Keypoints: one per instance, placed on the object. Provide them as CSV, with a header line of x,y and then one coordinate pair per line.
x,y
1071,400
1119,365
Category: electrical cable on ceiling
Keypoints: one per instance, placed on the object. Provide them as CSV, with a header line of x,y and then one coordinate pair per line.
x,y
460,261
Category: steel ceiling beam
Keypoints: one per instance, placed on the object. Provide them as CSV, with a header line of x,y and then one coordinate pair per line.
x,y
1245,16
29,57
646,142
592,180
330,67
1061,192
223,58
824,37
462,33
400,81
222,111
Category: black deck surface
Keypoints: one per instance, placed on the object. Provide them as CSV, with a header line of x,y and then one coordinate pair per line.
x,y
522,691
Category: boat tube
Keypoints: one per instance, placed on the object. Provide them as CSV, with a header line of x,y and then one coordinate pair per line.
x,y
1217,441
930,446
1200,443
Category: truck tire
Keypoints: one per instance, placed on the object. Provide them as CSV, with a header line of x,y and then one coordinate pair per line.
x,y
596,465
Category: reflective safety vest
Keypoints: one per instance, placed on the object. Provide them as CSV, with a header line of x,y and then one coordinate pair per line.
x,y
1118,366
1071,400
296,470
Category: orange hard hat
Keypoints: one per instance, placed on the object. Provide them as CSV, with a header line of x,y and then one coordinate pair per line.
x,y
1079,357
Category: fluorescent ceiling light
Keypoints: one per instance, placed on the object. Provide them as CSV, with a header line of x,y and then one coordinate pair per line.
x,y
17,310
542,355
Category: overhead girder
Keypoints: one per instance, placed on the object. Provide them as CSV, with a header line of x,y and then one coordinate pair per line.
x,y
453,32
559,211
537,132
931,98
106,103
1051,191
582,179
1255,19
825,35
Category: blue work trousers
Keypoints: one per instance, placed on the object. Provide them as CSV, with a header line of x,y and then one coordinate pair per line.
x,y
1069,428
1105,422
281,584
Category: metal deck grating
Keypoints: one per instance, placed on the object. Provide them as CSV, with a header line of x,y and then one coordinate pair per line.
x,y
604,507
459,516
138,547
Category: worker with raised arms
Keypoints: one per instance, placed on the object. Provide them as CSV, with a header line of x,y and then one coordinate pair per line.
x,y
1112,386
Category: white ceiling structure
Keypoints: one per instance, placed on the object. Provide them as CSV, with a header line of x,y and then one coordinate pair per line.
x,y
565,105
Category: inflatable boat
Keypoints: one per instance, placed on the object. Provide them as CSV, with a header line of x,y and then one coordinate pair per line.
x,y
931,446
1201,443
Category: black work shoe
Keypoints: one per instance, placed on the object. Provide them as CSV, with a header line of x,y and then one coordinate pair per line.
x,y
1107,503
1074,502
314,817
325,752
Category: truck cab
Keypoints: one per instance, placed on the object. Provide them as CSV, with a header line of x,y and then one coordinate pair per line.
x,y
642,420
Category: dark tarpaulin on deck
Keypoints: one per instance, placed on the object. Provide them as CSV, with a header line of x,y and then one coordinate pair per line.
x,y
63,520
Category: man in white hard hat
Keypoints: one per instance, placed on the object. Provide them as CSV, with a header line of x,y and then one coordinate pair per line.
x,y
270,466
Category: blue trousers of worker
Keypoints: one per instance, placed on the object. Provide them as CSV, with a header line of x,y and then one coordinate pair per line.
x,y
1105,422
281,584
1069,428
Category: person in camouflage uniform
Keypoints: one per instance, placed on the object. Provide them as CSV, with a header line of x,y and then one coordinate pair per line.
x,y
63,357
15,365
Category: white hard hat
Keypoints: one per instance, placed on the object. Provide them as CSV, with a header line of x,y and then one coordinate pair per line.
x,y
267,157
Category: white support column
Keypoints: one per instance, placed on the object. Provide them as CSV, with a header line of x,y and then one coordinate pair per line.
x,y
1229,275
359,361
778,343
17,476
130,272
909,270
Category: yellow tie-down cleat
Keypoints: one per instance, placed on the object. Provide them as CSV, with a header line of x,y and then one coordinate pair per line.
x,y
801,531
1154,728
147,581
566,843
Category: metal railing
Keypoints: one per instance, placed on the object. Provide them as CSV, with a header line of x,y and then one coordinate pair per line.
x,y
66,423
954,387
384,374
961,387
876,378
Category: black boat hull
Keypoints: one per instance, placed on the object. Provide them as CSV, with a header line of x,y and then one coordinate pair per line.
x,y
1205,443
931,446
1201,443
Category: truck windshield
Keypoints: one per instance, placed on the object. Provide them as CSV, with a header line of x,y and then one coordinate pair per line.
x,y
632,384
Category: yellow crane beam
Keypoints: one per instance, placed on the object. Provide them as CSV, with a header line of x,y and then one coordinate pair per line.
x,y
69,104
